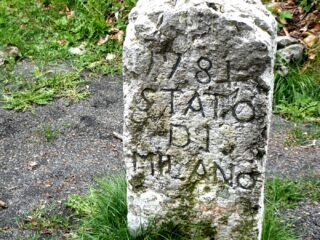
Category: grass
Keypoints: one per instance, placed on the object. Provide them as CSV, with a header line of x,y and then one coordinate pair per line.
x,y
282,194
61,24
302,136
101,215
24,93
48,133
45,222
297,95
44,31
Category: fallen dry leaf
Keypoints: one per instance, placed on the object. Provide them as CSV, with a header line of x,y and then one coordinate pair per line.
x,y
67,11
62,42
118,36
310,40
103,40
312,54
109,20
316,28
275,7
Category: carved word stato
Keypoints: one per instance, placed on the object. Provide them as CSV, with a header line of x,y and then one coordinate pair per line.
x,y
198,80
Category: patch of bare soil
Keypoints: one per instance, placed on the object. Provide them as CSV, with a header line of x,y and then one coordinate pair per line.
x,y
296,162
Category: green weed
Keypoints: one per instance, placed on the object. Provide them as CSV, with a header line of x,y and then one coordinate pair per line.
x,y
49,133
309,4
44,220
45,30
281,194
275,228
43,89
299,136
297,95
102,213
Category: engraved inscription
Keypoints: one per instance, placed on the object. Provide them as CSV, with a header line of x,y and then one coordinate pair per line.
x,y
205,65
195,105
152,163
227,177
172,92
244,111
176,65
179,136
147,103
164,164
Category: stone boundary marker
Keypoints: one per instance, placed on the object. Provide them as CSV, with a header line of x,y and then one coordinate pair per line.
x,y
198,80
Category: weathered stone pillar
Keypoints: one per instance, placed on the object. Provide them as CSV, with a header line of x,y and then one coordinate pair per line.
x,y
198,79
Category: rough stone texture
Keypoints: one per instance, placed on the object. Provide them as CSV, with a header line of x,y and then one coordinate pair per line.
x,y
288,54
198,79
284,41
292,53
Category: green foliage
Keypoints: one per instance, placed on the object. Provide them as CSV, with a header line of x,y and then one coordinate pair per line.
x,y
284,193
43,89
72,21
281,194
43,219
284,16
309,4
274,228
45,30
102,213
297,95
103,210
49,133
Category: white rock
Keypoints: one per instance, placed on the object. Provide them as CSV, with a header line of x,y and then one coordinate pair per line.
x,y
198,80
291,53
78,50
9,52
110,56
284,41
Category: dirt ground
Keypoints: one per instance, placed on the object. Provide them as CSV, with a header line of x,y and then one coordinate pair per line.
x,y
35,171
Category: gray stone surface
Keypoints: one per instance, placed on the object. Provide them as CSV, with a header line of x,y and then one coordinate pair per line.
x,y
292,53
198,79
9,52
284,41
